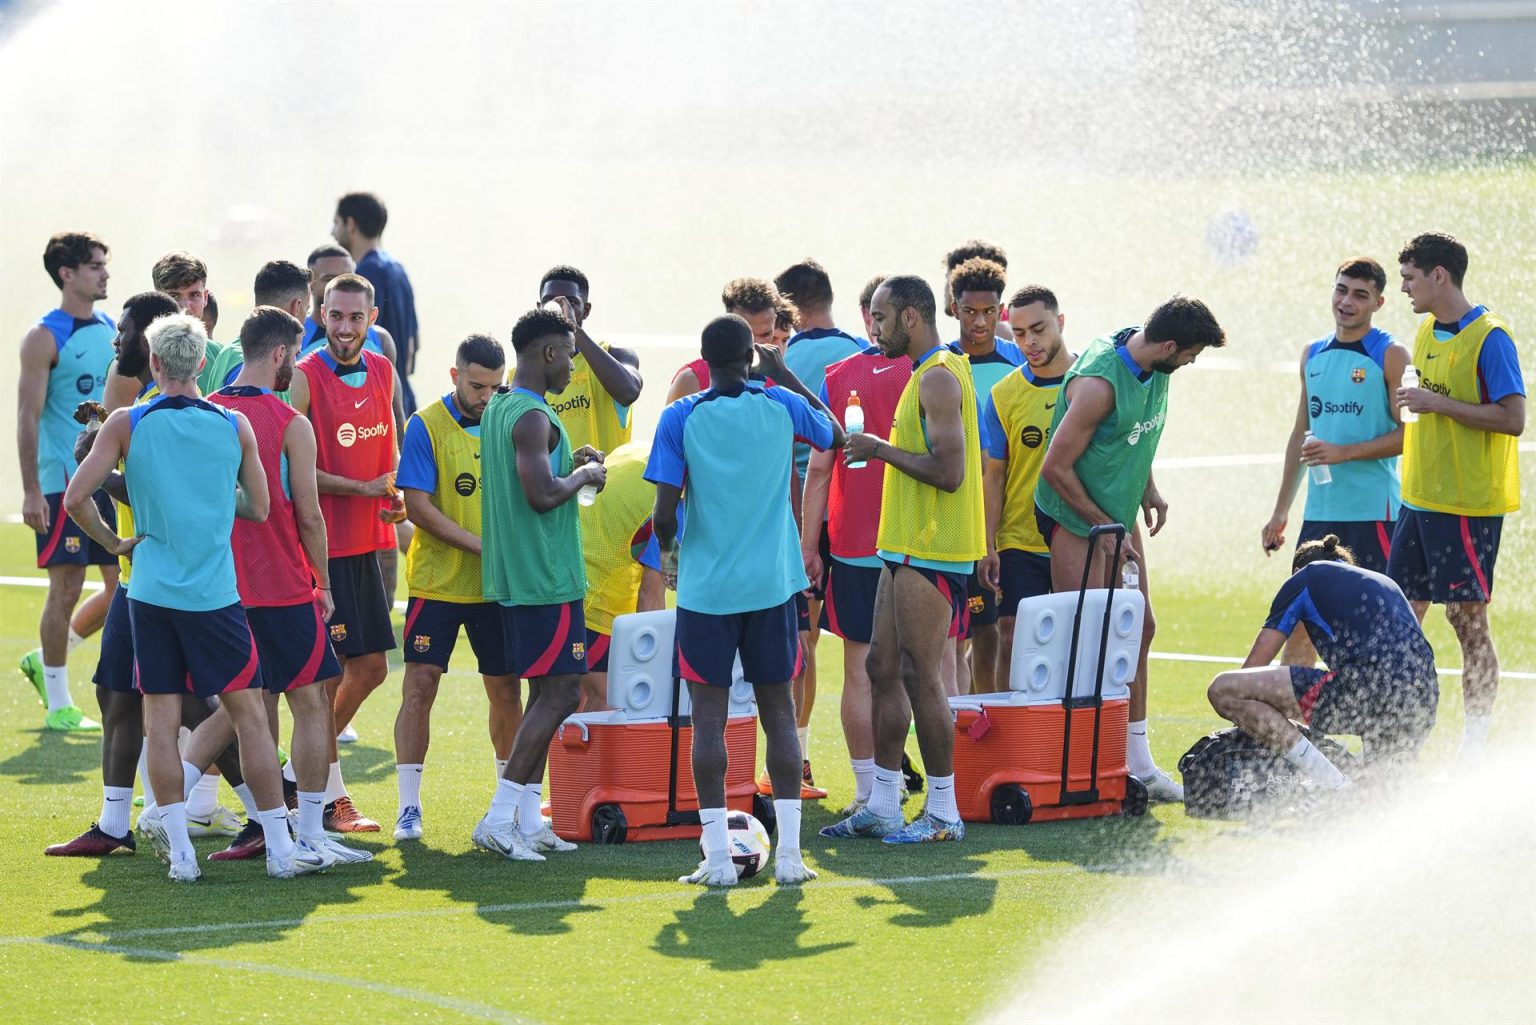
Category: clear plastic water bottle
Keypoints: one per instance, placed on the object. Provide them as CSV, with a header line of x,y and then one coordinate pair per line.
x,y
1130,576
853,423
1410,380
587,495
1320,473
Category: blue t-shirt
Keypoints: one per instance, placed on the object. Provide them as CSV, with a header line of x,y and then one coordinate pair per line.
x,y
182,467
1347,403
1357,620
1498,364
732,453
418,461
808,355
393,295
82,352
986,371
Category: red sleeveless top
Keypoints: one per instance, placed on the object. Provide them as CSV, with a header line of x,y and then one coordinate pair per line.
x,y
270,565
354,437
853,504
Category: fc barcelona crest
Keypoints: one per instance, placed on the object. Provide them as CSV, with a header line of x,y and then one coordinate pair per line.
x,y
1357,375
579,650
421,642
72,545
338,631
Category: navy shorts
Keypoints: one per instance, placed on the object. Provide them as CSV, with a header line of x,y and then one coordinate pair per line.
x,y
980,603
201,653
824,549
1390,706
360,625
66,544
293,645
1369,540
432,631
768,641
114,669
1023,575
1046,524
848,610
802,612
545,640
1442,558
598,644
951,585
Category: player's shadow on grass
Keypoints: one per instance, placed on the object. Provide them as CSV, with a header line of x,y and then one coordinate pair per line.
x,y
1129,845
56,758
712,930
235,902
364,763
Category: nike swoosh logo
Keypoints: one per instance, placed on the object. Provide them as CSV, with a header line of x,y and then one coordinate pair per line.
x,y
1458,585
1050,405
881,370
111,800
81,355
1311,374
1432,355
359,403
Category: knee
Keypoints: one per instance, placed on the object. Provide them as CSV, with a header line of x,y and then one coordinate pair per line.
x,y
1148,626
1219,693
419,689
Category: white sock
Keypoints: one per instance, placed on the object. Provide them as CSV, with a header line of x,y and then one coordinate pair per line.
x,y
274,826
885,795
408,776
115,802
149,798
1138,753
863,777
289,773
75,640
334,787
203,795
503,804
716,837
804,733
530,812
174,816
1314,764
191,776
1475,734
311,814
788,813
501,767
56,685
941,798
248,800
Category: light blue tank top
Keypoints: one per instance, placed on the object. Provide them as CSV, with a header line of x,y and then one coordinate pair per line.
x,y
1347,403
182,466
84,352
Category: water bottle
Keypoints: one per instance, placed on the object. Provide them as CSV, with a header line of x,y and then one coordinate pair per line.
x,y
1410,380
1130,576
587,495
853,423
1320,474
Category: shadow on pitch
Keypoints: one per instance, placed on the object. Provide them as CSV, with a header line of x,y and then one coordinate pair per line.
x,y
234,902
56,758
364,763
730,941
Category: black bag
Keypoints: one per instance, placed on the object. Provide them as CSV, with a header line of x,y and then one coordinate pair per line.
x,y
1230,775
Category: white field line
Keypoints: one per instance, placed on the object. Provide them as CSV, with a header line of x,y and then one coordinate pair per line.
x,y
680,895
446,1003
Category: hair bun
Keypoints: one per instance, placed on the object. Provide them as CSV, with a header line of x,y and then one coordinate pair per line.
x,y
1331,543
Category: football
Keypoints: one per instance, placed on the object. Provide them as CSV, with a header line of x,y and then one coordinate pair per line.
x,y
748,843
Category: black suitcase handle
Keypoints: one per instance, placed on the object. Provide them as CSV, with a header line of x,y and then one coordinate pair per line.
x,y
1069,700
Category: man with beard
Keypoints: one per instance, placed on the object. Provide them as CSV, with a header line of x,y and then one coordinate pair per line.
x,y
347,393
1098,471
359,228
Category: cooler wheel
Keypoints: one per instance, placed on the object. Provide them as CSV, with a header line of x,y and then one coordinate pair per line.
x,y
762,810
1135,802
608,824
1011,805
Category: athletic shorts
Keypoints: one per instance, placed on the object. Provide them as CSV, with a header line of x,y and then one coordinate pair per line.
x,y
767,640
1369,540
114,669
201,653
598,644
293,645
1391,707
980,603
1023,575
1442,558
1046,524
360,625
432,631
66,544
545,640
848,609
802,612
950,585
824,548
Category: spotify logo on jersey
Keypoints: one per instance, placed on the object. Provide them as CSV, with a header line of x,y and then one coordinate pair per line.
x,y
465,484
1032,437
348,435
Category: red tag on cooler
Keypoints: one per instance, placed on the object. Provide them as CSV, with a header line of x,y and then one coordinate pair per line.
x,y
979,726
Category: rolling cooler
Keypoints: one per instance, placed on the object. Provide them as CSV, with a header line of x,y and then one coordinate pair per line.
x,y
1053,745
626,773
